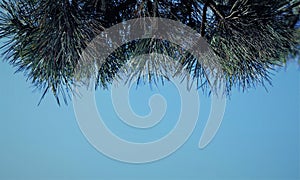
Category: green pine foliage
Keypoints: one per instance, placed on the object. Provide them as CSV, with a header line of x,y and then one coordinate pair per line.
x,y
249,38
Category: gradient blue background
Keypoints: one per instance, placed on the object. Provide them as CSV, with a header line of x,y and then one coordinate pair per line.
x,y
258,139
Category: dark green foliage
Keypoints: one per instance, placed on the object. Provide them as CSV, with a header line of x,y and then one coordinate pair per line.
x,y
252,37
45,38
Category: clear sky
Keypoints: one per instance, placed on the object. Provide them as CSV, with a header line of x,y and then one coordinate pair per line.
x,y
258,138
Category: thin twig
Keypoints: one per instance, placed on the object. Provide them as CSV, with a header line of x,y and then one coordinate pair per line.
x,y
204,20
214,8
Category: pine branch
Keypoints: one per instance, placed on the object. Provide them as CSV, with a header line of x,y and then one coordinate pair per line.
x,y
204,20
248,39
214,8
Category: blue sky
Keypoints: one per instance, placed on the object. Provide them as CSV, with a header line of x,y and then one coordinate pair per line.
x,y
258,138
